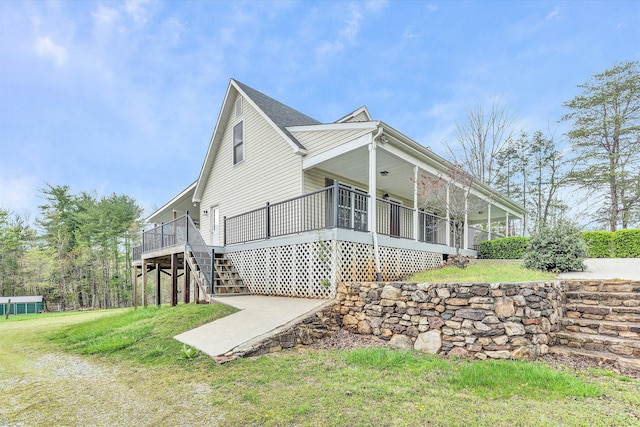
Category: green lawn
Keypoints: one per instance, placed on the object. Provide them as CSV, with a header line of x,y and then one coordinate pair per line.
x,y
122,367
488,271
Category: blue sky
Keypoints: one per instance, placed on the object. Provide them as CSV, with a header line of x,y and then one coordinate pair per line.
x,y
123,96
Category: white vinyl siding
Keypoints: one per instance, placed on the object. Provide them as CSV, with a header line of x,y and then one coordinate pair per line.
x,y
317,142
314,179
269,173
360,117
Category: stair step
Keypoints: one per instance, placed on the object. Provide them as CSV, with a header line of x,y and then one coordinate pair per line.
x,y
626,347
603,327
599,356
604,286
597,312
627,299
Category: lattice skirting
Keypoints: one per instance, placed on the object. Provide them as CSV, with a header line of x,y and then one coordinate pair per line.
x,y
313,269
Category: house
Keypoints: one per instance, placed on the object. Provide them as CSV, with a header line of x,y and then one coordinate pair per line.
x,y
286,205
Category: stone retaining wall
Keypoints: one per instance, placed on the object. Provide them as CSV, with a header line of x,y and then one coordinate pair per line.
x,y
480,320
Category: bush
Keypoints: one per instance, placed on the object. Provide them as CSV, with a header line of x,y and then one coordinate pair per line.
x,y
626,244
557,249
504,248
599,243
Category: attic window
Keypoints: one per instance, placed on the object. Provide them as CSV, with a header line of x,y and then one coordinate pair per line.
x,y
238,106
238,143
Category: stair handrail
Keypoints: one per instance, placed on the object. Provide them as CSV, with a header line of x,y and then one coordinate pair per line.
x,y
200,250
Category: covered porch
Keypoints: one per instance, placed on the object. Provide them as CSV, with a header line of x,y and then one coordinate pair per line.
x,y
380,184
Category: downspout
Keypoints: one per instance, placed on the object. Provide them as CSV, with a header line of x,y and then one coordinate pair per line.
x,y
374,232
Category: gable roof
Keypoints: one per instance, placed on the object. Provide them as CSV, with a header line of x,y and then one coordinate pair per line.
x,y
281,115
359,115
274,112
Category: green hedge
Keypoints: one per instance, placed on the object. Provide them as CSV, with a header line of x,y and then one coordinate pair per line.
x,y
504,248
626,243
599,243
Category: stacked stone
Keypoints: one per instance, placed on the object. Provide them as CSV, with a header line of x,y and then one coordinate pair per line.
x,y
480,320
313,327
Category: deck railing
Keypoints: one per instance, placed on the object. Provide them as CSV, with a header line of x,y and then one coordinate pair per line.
x,y
432,228
394,219
334,206
181,231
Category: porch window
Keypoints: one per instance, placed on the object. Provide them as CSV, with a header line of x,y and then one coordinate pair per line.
x,y
238,143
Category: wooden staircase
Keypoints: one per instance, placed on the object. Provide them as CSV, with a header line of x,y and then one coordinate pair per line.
x,y
602,322
197,276
226,281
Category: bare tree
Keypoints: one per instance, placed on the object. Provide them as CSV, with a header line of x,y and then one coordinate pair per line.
x,y
480,137
450,195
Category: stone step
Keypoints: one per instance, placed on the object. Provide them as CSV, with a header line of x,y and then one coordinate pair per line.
x,y
595,312
603,286
602,357
602,327
611,299
625,347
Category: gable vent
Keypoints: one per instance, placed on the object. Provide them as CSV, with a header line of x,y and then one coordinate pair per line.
x,y
238,106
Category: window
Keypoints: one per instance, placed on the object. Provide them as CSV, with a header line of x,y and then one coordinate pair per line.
x,y
238,107
238,143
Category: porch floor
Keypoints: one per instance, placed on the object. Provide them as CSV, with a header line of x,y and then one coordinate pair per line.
x,y
259,317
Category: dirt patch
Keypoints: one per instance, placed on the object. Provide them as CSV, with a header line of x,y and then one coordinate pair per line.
x,y
578,363
345,340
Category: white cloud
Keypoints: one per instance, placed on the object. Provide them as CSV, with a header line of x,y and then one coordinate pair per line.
x,y
137,10
410,34
432,8
553,13
18,194
347,34
47,48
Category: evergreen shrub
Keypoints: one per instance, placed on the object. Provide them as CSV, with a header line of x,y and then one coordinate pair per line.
x,y
626,243
557,249
599,243
503,248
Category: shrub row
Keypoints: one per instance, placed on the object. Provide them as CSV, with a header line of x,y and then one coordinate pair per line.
x,y
600,244
504,248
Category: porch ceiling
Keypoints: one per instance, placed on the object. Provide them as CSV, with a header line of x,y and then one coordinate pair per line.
x,y
398,182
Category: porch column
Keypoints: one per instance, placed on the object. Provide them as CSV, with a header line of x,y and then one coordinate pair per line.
x,y
506,230
465,228
415,203
448,223
372,188
489,222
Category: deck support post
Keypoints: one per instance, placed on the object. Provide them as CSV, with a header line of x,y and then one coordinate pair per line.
x,y
187,280
174,279
158,297
144,283
135,288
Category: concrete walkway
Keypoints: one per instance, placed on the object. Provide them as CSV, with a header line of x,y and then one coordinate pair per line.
x,y
607,268
258,318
